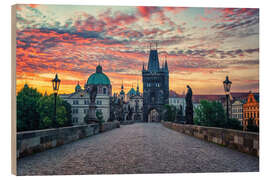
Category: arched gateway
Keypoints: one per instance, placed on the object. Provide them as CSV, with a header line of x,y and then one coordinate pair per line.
x,y
153,116
155,87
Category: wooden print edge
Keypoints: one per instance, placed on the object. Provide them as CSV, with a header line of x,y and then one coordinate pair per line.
x,y
13,91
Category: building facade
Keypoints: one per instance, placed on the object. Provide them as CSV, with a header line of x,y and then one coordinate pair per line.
x,y
251,111
79,100
237,110
155,86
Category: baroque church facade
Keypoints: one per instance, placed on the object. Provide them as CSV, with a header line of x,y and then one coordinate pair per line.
x,y
79,99
155,87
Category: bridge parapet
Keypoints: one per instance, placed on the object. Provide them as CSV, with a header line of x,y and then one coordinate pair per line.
x,y
30,142
243,141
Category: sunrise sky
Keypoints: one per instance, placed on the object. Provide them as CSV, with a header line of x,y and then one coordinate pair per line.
x,y
202,46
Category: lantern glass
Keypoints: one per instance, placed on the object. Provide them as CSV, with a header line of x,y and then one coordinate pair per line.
x,y
227,85
56,84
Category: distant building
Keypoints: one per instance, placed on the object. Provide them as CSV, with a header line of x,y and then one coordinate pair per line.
x,y
133,106
177,100
251,110
79,100
237,110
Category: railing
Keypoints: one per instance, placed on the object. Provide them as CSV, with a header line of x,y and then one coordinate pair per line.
x,y
247,142
30,142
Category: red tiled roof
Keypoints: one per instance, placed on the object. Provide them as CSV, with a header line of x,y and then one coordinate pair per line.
x,y
213,97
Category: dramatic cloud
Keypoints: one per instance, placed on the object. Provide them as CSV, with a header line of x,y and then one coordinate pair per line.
x,y
199,45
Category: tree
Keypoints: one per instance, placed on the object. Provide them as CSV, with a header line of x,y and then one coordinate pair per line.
x,y
251,126
210,113
169,113
46,110
234,124
99,116
27,109
68,113
35,111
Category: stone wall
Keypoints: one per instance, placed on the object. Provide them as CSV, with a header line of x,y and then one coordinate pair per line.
x,y
30,142
109,126
126,122
247,142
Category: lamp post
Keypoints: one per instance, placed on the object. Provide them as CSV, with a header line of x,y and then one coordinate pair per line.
x,y
227,86
56,84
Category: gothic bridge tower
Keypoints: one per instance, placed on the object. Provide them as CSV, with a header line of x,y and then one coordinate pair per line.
x,y
155,87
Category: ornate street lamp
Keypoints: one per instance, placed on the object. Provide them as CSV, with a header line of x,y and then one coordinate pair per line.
x,y
227,86
56,84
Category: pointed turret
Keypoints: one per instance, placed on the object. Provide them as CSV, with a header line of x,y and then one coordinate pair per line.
x,y
166,66
122,89
137,92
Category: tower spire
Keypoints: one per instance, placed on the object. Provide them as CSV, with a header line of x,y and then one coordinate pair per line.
x,y
138,92
166,64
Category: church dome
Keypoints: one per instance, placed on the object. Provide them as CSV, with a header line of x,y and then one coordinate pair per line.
x,y
98,78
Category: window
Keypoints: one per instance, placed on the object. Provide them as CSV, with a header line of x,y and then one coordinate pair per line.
x,y
75,111
86,101
99,102
75,102
104,90
74,120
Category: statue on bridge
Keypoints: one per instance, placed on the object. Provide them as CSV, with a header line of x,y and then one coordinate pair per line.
x,y
92,91
189,106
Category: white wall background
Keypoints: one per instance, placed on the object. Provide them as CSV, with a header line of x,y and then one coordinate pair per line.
x,y
264,83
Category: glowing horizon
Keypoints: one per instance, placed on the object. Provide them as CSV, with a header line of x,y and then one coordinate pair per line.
x,y
202,46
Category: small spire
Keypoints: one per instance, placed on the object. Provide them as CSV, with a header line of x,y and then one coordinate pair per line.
x,y
166,65
138,92
122,86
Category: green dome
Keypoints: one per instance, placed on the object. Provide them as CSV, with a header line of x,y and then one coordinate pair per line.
x,y
131,92
98,78
78,87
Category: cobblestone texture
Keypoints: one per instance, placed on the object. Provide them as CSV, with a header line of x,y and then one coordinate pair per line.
x,y
137,148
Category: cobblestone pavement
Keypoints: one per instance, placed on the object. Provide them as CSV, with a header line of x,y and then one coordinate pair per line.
x,y
137,148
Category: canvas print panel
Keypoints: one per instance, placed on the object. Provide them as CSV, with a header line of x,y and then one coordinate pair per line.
x,y
126,90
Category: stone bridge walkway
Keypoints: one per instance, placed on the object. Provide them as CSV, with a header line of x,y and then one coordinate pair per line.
x,y
137,148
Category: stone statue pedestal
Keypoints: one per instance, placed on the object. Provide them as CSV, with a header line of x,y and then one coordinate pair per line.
x,y
92,118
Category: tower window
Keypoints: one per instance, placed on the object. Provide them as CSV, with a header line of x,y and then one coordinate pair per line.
x,y
104,90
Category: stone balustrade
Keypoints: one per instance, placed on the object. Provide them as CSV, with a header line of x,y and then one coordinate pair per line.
x,y
30,142
126,122
243,141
